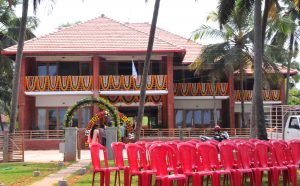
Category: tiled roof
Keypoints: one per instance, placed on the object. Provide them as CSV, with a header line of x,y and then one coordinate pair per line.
x,y
95,36
193,49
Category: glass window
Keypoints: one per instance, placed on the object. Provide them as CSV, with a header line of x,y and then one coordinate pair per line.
x,y
75,119
86,69
189,118
42,69
178,118
294,123
207,119
52,119
62,113
69,68
155,69
52,69
197,118
85,116
41,119
125,68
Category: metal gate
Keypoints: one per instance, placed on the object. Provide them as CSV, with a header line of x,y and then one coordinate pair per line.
x,y
11,147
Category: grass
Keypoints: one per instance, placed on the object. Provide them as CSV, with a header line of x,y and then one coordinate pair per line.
x,y
86,180
78,180
22,173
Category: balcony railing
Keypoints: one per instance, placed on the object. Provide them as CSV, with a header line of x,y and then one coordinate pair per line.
x,y
192,133
200,89
111,82
58,83
268,95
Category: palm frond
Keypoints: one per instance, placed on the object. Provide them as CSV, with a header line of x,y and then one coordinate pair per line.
x,y
225,9
205,31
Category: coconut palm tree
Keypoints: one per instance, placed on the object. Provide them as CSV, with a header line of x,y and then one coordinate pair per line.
x,y
19,55
146,70
234,54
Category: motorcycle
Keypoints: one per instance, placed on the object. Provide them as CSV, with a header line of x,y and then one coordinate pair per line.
x,y
219,137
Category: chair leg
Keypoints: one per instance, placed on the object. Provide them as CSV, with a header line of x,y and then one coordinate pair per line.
x,y
257,177
116,179
285,177
215,179
275,174
102,178
126,177
93,179
107,178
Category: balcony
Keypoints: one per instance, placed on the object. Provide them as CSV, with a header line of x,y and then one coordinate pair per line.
x,y
200,89
58,83
85,83
111,82
268,95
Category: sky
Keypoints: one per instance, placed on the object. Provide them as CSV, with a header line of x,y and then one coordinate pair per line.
x,y
178,16
181,17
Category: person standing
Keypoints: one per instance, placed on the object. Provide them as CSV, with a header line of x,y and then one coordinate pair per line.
x,y
94,134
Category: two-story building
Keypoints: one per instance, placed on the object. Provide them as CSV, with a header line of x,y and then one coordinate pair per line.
x,y
94,58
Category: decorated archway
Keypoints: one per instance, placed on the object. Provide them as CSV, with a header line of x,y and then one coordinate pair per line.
x,y
103,115
102,103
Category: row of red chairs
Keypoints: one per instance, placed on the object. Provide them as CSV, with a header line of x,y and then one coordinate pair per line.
x,y
182,161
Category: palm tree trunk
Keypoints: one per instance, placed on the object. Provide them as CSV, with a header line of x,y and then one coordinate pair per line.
x,y
214,99
145,72
289,69
257,101
242,95
16,78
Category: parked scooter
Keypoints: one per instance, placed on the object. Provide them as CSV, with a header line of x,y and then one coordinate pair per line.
x,y
219,136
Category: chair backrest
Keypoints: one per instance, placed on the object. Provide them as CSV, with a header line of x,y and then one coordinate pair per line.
x,y
134,153
95,155
162,155
213,142
189,152
279,152
263,154
227,155
208,153
245,155
176,151
144,156
294,147
117,148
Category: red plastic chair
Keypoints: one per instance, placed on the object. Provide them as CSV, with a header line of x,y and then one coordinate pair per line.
x,y
189,163
245,156
294,149
262,164
160,154
177,154
227,154
210,164
280,162
104,171
137,166
294,146
117,148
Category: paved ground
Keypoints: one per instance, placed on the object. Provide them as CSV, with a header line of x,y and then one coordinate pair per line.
x,y
55,156
50,156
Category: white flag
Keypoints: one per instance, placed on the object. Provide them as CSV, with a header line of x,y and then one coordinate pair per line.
x,y
134,73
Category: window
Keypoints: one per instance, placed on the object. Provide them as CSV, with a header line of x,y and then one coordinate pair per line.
x,y
41,119
62,113
47,69
189,119
179,118
294,123
52,119
69,69
85,69
85,116
197,118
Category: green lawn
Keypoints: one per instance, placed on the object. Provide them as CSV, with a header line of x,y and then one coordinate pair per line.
x,y
22,173
86,179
